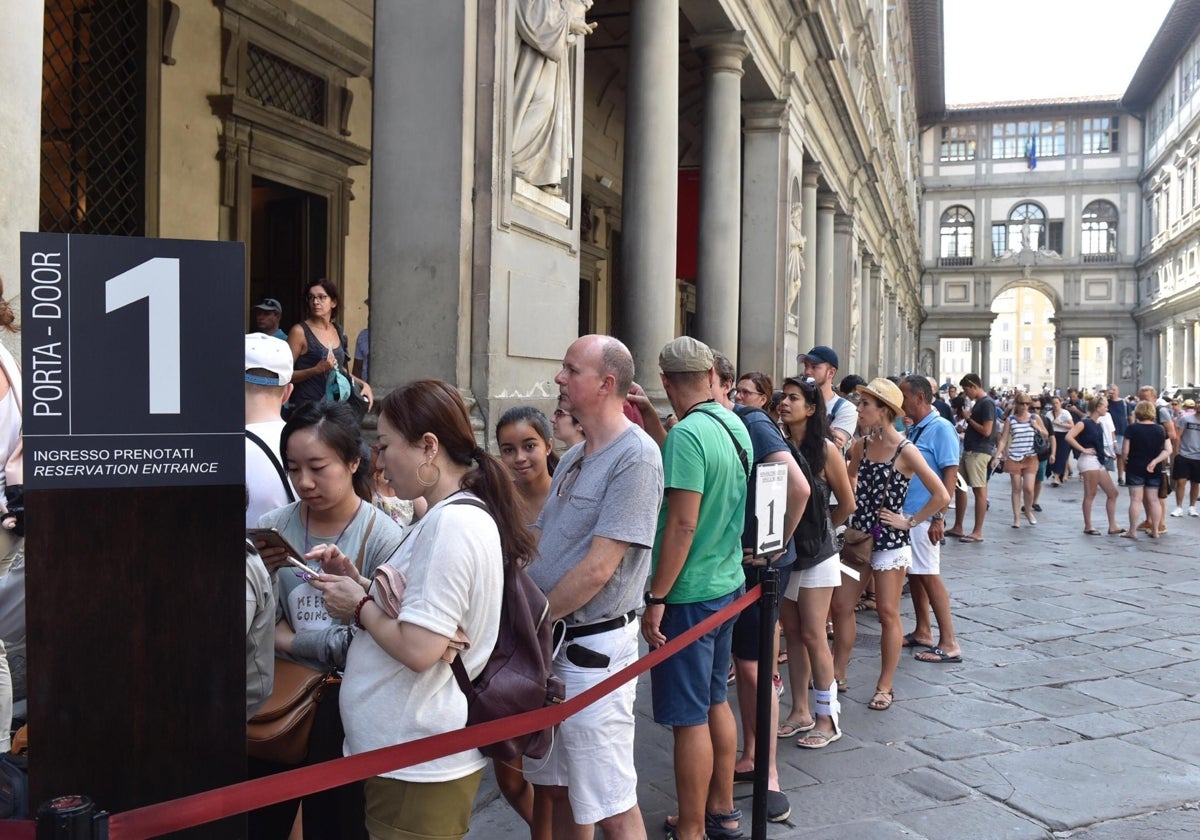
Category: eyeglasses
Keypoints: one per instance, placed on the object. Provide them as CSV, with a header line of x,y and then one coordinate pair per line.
x,y
559,414
564,489
318,298
745,392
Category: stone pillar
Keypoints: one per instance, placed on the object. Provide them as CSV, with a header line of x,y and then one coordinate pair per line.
x,y
867,334
826,206
1073,375
985,360
807,323
893,326
1062,360
1113,373
649,217
844,279
766,228
20,135
878,325
719,244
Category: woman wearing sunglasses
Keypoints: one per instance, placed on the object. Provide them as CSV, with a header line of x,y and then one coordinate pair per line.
x,y
1017,453
881,467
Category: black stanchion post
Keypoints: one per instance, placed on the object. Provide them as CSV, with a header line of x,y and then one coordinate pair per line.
x,y
71,818
766,670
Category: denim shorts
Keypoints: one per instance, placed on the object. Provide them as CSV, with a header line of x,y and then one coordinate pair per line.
x,y
684,686
1141,479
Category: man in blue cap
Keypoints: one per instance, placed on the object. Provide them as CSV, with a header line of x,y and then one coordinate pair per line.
x,y
821,363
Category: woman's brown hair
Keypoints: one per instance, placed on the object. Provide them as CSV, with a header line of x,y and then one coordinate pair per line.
x,y
434,406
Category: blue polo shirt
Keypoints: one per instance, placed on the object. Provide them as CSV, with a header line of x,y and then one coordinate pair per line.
x,y
937,442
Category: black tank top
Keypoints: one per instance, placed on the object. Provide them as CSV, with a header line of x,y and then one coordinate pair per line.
x,y
313,389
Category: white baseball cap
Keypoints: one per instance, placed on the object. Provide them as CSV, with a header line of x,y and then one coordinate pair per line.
x,y
266,352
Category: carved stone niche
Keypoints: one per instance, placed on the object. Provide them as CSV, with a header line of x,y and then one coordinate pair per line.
x,y
285,109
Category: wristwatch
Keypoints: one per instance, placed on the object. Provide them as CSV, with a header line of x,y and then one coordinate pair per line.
x,y
651,601
938,517
912,522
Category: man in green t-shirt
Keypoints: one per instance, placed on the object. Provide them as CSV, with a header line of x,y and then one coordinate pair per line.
x,y
697,571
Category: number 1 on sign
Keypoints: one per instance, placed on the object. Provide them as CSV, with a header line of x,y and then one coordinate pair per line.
x,y
157,280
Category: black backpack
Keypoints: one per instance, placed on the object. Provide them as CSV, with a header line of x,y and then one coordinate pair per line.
x,y
518,676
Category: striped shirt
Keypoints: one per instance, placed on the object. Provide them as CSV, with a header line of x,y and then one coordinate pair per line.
x,y
1020,438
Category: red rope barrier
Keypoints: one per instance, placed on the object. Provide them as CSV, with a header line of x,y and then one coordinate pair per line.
x,y
197,809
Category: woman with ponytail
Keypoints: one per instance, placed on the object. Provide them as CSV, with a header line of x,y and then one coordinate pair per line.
x,y
398,685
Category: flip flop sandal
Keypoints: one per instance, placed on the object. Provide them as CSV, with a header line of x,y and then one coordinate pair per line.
x,y
824,739
787,729
940,657
714,828
841,685
882,700
910,641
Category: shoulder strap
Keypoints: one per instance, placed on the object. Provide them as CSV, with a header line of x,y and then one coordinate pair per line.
x,y
362,546
836,405
740,450
262,444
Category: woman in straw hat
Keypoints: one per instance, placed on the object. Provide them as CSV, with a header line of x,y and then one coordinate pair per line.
x,y
881,466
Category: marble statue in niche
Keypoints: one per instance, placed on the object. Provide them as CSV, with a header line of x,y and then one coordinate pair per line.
x,y
795,256
543,126
854,317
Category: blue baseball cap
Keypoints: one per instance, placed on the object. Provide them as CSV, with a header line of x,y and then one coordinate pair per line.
x,y
821,355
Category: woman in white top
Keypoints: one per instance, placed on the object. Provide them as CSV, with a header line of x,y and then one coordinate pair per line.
x,y
1061,422
1019,457
397,687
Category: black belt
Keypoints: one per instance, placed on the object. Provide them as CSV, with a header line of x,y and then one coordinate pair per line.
x,y
600,626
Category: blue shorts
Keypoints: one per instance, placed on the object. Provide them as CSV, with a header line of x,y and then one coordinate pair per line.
x,y
1143,479
745,630
684,686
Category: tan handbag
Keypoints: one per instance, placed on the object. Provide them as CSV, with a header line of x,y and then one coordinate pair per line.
x,y
280,731
856,549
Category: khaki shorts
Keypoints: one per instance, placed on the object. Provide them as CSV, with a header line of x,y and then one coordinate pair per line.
x,y
399,810
975,468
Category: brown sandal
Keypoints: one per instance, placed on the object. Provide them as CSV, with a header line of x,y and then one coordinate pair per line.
x,y
882,700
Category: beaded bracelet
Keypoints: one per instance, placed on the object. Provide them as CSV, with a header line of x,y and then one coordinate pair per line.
x,y
358,611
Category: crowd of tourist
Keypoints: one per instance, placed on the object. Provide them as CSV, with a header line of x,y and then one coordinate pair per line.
x,y
637,525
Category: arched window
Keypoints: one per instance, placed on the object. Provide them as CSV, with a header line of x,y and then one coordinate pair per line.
x,y
1026,227
958,236
1100,232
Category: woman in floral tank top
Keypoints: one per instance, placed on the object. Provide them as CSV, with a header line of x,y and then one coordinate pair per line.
x,y
881,467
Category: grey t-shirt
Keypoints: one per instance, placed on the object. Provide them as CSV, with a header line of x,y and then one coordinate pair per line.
x,y
1188,427
613,493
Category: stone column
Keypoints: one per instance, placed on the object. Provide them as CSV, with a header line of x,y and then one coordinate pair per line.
x,y
867,334
844,278
826,207
807,323
1162,369
893,321
649,218
719,244
20,135
877,326
1062,360
766,228
1113,373
1073,376
985,360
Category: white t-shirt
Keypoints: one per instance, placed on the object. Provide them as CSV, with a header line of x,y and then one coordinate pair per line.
x,y
1110,434
455,575
263,486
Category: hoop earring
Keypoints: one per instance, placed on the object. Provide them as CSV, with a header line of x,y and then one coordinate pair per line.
x,y
422,481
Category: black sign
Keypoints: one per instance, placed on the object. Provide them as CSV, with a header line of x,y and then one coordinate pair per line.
x,y
132,351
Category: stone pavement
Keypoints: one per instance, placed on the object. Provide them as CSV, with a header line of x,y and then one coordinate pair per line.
x,y
1075,712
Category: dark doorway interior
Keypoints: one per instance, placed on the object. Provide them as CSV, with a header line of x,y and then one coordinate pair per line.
x,y
288,235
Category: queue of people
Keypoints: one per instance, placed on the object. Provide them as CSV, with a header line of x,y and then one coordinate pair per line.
x,y
642,527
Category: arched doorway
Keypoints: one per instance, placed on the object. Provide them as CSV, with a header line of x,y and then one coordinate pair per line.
x,y
1023,340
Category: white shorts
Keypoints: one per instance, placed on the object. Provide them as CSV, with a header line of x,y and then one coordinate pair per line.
x,y
926,556
1088,463
891,558
826,573
592,756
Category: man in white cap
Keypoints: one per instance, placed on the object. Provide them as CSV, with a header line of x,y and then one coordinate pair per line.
x,y
267,315
268,386
696,571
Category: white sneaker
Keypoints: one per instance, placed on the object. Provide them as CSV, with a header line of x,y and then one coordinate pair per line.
x,y
1193,512
1177,512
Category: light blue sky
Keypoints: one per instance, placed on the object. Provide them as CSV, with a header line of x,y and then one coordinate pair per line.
x,y
999,50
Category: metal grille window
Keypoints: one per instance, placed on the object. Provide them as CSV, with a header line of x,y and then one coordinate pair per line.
x,y
283,85
93,117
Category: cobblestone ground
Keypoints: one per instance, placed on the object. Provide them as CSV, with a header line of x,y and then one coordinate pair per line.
x,y
1074,713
